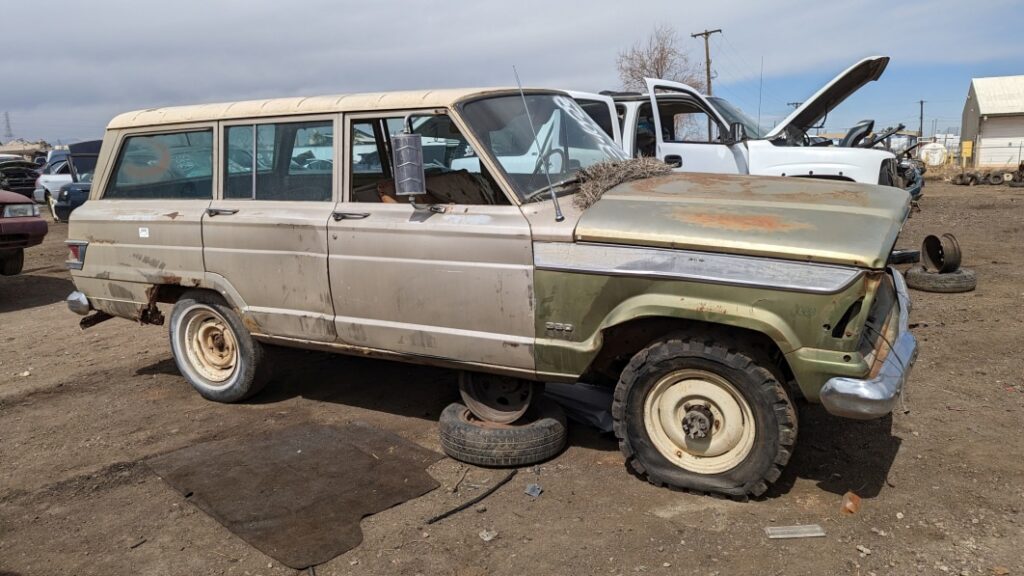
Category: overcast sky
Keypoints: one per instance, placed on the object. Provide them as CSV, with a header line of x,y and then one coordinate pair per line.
x,y
69,66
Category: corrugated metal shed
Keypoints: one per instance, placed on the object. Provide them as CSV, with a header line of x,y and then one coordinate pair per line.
x,y
999,95
993,121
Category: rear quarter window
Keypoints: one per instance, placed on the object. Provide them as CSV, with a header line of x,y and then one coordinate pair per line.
x,y
174,165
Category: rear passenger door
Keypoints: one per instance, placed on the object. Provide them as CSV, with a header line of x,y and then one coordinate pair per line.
x,y
266,232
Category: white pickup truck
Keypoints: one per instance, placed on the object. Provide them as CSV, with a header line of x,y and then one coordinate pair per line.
x,y
697,133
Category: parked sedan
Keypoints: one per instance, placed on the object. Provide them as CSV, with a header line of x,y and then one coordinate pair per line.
x,y
20,227
48,184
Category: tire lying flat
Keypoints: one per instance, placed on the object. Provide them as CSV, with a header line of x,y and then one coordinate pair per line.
x,y
537,436
960,280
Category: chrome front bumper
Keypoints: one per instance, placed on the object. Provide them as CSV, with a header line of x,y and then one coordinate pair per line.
x,y
874,398
78,303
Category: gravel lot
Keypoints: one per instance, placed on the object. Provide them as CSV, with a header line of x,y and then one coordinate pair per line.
x,y
941,484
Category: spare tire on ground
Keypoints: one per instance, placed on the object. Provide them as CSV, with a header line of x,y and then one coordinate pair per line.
x,y
537,436
962,280
958,180
995,179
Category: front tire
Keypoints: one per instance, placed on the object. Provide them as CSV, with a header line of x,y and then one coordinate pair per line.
x,y
702,415
13,264
214,351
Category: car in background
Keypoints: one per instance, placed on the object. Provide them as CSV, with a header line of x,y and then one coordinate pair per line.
x,y
82,162
20,228
54,175
695,132
18,176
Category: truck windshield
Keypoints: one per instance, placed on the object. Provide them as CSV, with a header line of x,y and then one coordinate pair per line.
x,y
563,139
733,114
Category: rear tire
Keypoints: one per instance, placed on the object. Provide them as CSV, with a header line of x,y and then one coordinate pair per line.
x,y
538,436
674,383
213,349
12,265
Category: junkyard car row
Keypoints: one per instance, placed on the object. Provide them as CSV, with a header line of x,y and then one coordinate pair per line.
x,y
709,302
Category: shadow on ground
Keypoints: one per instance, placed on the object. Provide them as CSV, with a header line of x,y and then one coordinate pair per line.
x,y
836,453
24,291
840,454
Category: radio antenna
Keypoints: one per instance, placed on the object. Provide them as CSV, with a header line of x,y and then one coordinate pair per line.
x,y
536,139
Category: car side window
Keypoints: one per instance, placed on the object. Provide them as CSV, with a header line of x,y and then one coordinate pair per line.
x,y
171,165
684,121
454,174
283,161
599,113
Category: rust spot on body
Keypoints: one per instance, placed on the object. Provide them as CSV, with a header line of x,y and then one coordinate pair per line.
x,y
740,222
172,215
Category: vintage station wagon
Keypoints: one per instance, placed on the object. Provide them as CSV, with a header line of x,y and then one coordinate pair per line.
x,y
708,302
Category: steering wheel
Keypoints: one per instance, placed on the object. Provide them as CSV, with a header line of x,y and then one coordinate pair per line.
x,y
543,159
872,140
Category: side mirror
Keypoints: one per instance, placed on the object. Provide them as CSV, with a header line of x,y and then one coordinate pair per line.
x,y
410,179
737,132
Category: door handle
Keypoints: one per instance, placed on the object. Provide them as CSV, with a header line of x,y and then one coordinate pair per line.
x,y
674,160
339,216
221,211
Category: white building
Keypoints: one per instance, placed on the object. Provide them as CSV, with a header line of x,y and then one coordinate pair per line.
x,y
993,120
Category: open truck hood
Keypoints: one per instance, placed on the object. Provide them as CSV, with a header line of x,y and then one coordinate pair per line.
x,y
832,94
789,218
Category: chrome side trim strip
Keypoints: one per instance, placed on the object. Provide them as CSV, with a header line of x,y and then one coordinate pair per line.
x,y
695,266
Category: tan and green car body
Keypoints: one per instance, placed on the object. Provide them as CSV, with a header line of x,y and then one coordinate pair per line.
x,y
798,266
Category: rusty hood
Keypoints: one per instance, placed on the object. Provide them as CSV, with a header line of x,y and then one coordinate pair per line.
x,y
789,218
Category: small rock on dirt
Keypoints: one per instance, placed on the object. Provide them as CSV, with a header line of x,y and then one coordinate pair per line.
x,y
534,490
488,535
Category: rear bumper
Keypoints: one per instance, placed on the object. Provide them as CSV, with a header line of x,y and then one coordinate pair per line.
x,y
22,232
864,399
78,303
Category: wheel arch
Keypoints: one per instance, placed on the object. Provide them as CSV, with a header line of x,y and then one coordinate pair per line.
x,y
621,340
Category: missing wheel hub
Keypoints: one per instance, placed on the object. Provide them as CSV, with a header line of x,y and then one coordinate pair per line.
x,y
697,421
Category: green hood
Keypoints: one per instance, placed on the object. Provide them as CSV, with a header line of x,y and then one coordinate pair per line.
x,y
791,218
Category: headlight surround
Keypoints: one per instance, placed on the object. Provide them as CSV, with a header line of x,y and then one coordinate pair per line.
x,y
20,210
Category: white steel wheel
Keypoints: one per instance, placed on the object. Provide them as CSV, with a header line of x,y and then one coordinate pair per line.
x,y
699,421
213,349
210,345
703,414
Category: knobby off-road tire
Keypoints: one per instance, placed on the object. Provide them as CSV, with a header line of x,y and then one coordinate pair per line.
x,y
664,379
536,437
12,264
960,280
213,349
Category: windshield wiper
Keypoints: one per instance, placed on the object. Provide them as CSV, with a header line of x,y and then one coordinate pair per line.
x,y
554,186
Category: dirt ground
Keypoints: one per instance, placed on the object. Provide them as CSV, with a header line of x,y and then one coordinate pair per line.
x,y
941,484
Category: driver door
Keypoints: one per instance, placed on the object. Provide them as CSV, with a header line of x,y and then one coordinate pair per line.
x,y
688,132
450,277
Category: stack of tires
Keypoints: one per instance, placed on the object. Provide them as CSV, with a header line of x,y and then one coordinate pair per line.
x,y
502,422
941,271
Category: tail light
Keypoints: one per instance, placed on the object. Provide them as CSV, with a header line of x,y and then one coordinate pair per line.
x,y
77,249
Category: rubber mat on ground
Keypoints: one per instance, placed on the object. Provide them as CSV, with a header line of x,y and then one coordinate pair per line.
x,y
297,494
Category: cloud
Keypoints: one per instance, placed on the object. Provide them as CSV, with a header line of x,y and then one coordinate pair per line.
x,y
102,58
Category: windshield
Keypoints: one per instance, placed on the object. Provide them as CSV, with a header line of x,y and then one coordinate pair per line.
x,y
562,140
733,114
84,167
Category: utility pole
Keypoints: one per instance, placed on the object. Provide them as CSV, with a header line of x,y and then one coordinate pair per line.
x,y
920,129
707,52
707,65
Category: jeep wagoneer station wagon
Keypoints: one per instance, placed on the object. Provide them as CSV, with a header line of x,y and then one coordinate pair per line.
x,y
439,227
